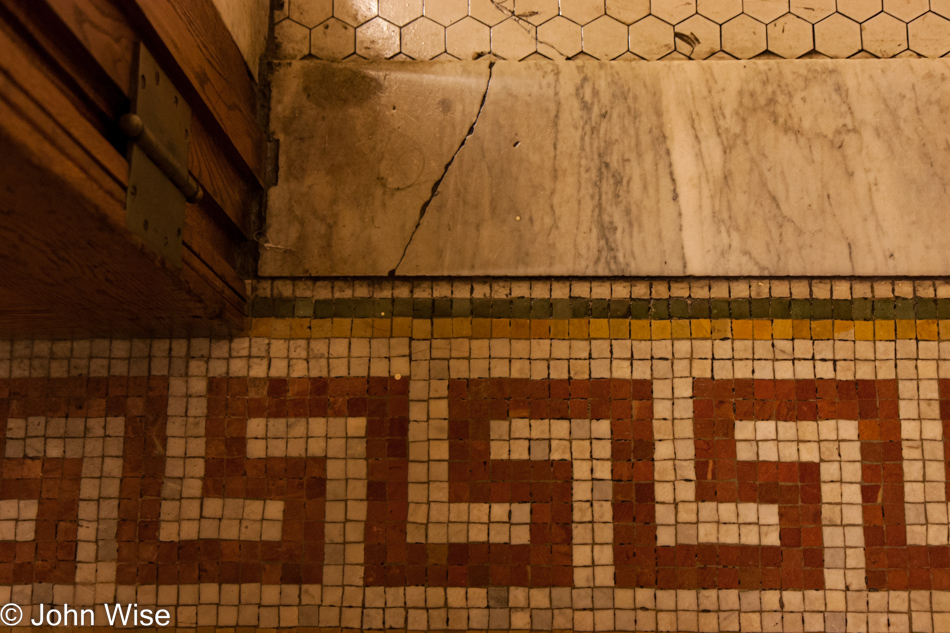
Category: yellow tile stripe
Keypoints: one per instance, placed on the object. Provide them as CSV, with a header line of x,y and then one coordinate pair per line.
x,y
587,328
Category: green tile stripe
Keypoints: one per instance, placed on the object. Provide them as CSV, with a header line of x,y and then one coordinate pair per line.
x,y
579,308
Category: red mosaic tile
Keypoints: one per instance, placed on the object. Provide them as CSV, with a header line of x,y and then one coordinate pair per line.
x,y
300,482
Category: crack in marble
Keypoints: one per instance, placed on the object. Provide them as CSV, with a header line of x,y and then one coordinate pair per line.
x,y
445,171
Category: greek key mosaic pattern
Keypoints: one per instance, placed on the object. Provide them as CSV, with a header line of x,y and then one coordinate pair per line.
x,y
740,473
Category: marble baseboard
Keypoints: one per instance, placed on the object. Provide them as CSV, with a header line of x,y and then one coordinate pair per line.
x,y
706,169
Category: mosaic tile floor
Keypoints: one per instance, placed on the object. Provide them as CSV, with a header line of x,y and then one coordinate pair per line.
x,y
615,29
597,456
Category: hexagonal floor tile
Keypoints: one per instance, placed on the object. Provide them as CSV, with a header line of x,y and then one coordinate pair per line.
x,y
812,10
491,13
423,39
884,35
790,36
674,11
859,10
377,39
583,11
293,40
838,36
562,35
629,11
929,35
333,40
513,39
719,11
468,39
400,12
651,38
605,38
697,37
536,11
311,12
906,10
355,12
765,11
446,12
743,37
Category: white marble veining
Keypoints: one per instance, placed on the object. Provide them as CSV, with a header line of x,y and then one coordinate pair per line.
x,y
721,168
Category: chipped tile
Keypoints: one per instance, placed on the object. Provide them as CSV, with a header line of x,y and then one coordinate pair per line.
x,y
697,37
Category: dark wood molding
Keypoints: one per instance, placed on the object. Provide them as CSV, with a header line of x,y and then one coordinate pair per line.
x,y
72,267
65,240
189,36
233,192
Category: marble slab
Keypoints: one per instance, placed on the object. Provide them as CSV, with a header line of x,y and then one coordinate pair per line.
x,y
816,167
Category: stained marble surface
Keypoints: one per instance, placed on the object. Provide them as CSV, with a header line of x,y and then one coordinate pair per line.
x,y
718,168
361,147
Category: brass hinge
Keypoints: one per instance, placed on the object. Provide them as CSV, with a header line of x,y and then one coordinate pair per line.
x,y
159,182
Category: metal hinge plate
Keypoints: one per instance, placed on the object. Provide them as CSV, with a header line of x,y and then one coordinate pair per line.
x,y
155,208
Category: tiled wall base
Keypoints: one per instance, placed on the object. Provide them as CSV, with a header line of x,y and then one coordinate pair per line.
x,y
714,482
